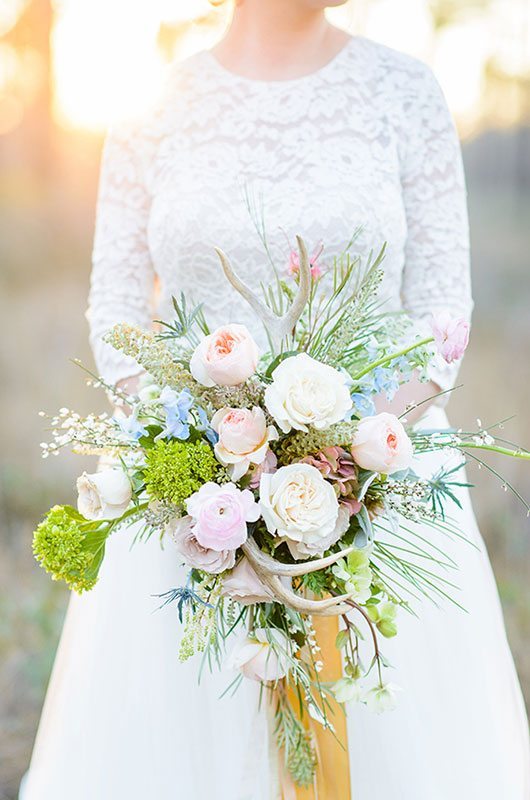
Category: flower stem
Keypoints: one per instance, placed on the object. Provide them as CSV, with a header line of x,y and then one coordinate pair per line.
x,y
505,451
387,359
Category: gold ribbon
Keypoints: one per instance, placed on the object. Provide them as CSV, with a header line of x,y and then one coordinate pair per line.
x,y
332,778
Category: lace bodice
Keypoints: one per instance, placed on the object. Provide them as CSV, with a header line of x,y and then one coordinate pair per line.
x,y
365,141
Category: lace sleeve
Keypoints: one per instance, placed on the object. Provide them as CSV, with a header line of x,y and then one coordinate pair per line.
x,y
122,281
437,269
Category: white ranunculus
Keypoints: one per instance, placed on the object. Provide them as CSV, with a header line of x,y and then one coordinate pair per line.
x,y
297,503
103,495
306,392
263,656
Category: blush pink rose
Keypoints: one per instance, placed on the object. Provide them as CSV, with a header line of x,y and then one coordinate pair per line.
x,y
267,467
263,656
451,335
243,585
227,357
381,444
213,561
220,515
243,438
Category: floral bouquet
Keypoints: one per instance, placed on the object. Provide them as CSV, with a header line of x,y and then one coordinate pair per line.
x,y
288,498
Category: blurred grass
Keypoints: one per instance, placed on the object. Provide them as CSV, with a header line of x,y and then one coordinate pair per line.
x,y
45,240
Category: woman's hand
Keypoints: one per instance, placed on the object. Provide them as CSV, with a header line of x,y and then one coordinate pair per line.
x,y
129,386
412,392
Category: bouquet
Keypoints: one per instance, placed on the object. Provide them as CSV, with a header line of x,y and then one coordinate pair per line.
x,y
288,498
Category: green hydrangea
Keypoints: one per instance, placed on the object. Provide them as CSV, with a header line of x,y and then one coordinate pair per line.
x,y
175,470
66,550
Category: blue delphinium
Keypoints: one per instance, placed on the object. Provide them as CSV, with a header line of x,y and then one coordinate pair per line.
x,y
385,380
131,426
203,425
364,405
176,410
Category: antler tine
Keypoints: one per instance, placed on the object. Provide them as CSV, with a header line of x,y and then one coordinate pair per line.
x,y
278,327
331,606
263,311
304,287
291,570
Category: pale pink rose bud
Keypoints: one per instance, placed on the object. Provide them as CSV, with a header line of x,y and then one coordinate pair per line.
x,y
243,438
195,555
267,467
227,357
381,444
243,585
451,335
220,515
262,656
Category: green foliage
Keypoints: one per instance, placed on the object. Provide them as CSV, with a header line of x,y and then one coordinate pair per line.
x,y
175,470
68,549
186,322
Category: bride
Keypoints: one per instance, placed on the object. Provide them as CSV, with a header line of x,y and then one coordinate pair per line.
x,y
287,126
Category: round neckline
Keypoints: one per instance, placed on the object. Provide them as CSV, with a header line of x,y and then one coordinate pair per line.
x,y
316,73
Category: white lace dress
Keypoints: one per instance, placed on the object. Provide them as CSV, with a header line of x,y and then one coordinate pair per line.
x,y
367,140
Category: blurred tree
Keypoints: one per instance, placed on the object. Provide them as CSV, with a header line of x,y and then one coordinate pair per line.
x,y
447,12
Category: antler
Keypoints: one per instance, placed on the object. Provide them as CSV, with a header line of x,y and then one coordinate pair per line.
x,y
268,570
278,327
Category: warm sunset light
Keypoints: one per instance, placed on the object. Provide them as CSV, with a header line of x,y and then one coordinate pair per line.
x,y
107,55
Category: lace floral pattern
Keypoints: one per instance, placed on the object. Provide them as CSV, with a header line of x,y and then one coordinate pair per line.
x,y
365,141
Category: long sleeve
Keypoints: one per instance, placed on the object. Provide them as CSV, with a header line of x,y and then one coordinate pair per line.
x,y
122,281
437,268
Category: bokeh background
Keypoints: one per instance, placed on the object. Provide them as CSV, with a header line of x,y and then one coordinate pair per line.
x,y
67,69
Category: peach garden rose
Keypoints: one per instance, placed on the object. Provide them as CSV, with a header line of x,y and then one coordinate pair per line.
x,y
381,444
244,438
227,357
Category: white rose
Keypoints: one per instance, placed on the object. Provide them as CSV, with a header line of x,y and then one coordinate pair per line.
x,y
264,656
298,504
381,444
103,495
306,392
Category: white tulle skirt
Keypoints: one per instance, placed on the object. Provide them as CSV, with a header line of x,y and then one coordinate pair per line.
x,y
125,720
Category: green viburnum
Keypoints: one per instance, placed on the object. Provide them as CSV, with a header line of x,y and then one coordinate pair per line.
x,y
69,547
384,616
174,470
355,574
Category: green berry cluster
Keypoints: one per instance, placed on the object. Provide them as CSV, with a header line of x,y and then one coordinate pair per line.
x,y
174,469
59,545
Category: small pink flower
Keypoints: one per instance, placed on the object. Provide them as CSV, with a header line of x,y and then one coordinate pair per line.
x,y
220,515
244,585
267,467
243,438
451,335
294,262
227,357
195,555
381,444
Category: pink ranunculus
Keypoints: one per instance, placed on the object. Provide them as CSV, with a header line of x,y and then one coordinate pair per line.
x,y
213,561
243,438
451,335
267,467
227,357
381,444
243,585
220,515
262,656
